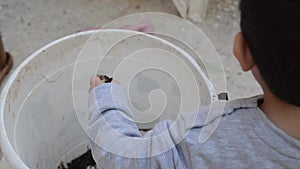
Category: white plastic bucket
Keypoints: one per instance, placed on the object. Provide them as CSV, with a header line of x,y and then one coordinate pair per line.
x,y
38,121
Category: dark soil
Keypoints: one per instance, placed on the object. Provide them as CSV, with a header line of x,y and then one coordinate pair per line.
x,y
85,161
82,162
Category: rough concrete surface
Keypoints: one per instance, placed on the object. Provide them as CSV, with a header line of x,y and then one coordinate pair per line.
x,y
27,25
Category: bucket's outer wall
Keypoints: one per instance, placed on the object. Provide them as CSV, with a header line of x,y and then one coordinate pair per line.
x,y
36,116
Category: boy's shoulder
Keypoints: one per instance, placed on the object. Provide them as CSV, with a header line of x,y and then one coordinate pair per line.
x,y
238,109
241,136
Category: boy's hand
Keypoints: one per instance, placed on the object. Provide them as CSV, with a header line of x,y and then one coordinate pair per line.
x,y
96,81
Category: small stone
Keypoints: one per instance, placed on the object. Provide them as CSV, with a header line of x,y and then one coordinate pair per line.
x,y
4,6
226,9
227,2
137,7
233,16
182,29
21,19
216,25
236,3
14,53
218,17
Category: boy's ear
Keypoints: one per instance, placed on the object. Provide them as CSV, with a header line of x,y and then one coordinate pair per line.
x,y
242,52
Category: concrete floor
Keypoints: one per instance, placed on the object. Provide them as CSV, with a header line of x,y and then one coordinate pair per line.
x,y
27,25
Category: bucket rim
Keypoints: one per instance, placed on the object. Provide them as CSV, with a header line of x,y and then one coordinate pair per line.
x,y
6,147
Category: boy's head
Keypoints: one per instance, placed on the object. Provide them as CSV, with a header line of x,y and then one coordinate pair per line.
x,y
269,45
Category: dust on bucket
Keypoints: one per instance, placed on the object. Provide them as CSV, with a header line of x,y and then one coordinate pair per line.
x,y
44,104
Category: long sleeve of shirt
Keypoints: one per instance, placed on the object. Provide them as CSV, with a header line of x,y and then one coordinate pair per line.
x,y
116,141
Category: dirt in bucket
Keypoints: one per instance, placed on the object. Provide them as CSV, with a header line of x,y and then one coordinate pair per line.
x,y
85,161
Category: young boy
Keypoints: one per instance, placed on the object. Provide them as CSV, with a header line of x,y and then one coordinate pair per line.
x,y
258,132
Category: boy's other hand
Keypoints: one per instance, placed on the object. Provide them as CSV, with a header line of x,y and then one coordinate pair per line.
x,y
145,27
96,81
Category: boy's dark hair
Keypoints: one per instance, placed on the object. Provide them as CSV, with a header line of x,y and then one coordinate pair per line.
x,y
272,31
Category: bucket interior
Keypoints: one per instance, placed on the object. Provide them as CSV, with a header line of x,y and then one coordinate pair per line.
x,y
46,106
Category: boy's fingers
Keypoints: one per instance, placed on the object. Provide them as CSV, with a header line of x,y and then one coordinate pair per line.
x,y
92,80
129,27
98,81
95,81
145,27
